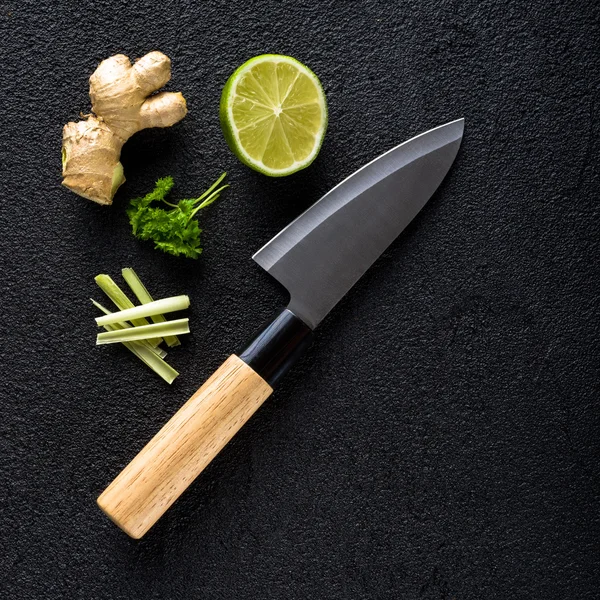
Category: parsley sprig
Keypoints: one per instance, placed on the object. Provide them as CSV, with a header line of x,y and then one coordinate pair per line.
x,y
175,230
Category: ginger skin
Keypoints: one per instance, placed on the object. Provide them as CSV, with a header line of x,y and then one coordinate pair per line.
x,y
122,105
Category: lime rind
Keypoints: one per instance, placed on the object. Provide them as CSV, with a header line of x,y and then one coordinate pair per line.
x,y
280,87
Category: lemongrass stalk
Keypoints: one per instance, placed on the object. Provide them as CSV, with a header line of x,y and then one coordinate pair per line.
x,y
156,349
120,300
144,332
148,357
157,307
143,295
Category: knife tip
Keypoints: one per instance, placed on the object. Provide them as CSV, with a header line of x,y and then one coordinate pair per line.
x,y
458,126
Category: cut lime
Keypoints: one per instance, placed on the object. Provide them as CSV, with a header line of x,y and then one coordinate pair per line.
x,y
274,114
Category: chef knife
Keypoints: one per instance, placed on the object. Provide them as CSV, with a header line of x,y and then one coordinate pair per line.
x,y
318,258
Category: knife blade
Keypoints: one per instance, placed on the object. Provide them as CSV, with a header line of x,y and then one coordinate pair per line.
x,y
318,258
356,221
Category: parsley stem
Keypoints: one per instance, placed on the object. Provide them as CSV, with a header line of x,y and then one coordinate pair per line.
x,y
169,203
210,189
208,201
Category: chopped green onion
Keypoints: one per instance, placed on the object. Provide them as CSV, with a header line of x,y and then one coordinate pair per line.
x,y
144,332
156,307
120,300
143,295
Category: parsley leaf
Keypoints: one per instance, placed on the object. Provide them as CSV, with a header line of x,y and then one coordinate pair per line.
x,y
173,230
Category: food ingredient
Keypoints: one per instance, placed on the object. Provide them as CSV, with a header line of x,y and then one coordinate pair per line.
x,y
145,332
157,307
156,349
173,230
123,103
134,331
274,114
143,295
152,357
120,300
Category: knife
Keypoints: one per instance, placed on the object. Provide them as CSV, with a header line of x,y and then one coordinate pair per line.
x,y
318,258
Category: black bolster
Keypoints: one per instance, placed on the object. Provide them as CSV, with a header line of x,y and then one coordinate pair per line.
x,y
277,347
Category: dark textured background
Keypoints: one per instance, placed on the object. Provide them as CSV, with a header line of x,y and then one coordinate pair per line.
x,y
441,440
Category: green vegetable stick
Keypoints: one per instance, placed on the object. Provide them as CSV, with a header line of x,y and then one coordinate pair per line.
x,y
143,295
120,300
149,358
144,332
165,305
156,349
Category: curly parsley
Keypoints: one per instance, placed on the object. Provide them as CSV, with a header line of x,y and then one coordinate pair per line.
x,y
173,230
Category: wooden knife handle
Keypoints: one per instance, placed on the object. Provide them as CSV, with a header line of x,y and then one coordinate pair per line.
x,y
179,452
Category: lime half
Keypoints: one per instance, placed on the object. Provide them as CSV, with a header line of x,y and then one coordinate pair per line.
x,y
274,114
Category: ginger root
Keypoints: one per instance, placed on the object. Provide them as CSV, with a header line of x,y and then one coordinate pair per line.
x,y
122,105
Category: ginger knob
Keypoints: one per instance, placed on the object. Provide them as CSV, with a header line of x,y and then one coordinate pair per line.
x,y
122,104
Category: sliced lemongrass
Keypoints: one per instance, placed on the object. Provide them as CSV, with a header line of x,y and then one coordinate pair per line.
x,y
157,307
147,355
144,332
119,299
156,349
143,295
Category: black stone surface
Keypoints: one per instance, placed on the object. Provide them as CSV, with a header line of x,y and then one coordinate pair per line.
x,y
441,438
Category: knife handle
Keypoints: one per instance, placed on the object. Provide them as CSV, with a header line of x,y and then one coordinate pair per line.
x,y
200,429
